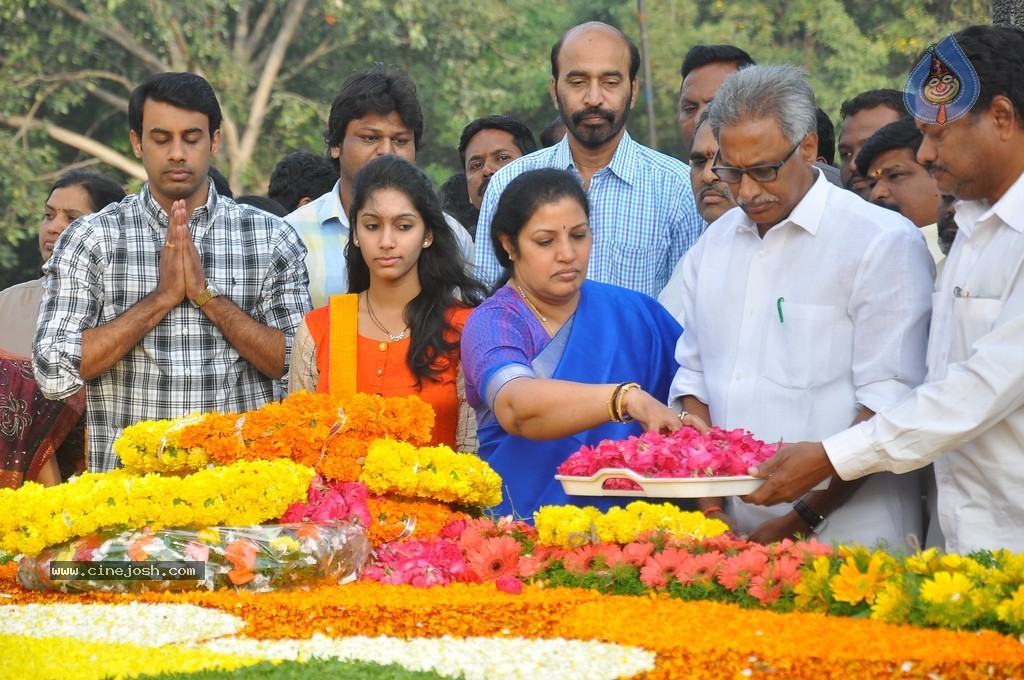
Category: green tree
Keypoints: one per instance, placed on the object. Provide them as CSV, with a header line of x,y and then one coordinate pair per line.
x,y
276,65
846,46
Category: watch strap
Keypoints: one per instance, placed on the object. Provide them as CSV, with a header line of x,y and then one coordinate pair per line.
x,y
206,296
815,521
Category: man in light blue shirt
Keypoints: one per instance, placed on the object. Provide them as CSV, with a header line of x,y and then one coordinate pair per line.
x,y
643,216
376,114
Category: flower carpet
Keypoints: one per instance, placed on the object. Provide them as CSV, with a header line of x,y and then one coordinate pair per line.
x,y
335,545
654,636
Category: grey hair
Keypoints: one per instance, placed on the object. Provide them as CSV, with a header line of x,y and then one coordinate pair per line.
x,y
778,91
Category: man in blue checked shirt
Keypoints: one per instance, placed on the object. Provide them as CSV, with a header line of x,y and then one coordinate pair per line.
x,y
642,216
176,299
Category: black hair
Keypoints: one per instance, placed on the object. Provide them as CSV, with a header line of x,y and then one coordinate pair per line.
x,y
220,182
634,51
553,133
901,134
702,55
444,281
264,203
184,90
300,175
997,54
826,138
522,135
382,90
454,198
101,189
888,97
521,199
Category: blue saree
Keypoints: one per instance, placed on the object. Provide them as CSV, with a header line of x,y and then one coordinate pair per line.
x,y
616,335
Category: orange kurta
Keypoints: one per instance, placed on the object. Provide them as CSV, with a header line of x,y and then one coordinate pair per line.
x,y
381,369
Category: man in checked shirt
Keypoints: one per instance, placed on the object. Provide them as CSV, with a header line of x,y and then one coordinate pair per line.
x,y
176,299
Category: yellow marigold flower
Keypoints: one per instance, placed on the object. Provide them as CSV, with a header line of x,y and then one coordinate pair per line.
x,y
812,590
923,563
1011,610
434,472
893,604
569,525
285,544
946,587
853,586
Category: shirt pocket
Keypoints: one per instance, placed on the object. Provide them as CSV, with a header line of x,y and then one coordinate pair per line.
x,y
798,351
973,318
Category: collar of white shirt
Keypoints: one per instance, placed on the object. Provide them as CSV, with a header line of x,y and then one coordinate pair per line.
x,y
1009,209
808,213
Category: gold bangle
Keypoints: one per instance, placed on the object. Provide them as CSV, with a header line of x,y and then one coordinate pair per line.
x,y
624,417
611,402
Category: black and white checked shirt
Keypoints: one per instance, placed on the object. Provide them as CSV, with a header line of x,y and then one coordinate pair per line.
x,y
105,263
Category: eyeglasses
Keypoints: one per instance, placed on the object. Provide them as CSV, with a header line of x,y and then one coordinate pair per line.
x,y
758,173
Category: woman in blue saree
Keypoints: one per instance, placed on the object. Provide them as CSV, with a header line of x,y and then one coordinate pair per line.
x,y
554,362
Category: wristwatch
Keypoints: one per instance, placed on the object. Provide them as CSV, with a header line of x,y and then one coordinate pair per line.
x,y
207,295
815,521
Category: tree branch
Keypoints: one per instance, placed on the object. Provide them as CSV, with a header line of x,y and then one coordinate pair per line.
x,y
261,97
259,29
108,97
80,142
118,36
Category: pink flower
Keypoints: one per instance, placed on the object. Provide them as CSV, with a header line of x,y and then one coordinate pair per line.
x,y
494,558
683,453
509,584
580,560
197,552
738,571
698,568
660,567
637,553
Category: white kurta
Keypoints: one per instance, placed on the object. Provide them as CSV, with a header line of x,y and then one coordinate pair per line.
x,y
972,405
787,335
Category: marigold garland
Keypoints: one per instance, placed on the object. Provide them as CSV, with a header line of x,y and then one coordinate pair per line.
x,y
248,492
436,472
393,517
326,432
570,525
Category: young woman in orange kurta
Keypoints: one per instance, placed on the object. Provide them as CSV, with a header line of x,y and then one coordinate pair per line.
x,y
409,298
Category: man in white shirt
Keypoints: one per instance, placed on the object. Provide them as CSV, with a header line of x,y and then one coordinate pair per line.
x,y
811,310
968,417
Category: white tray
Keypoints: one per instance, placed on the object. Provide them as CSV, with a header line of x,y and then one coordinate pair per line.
x,y
662,487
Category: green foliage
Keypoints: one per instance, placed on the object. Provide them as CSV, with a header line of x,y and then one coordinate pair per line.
x,y
313,669
73,63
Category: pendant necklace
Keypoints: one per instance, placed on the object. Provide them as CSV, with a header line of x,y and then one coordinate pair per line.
x,y
378,324
543,319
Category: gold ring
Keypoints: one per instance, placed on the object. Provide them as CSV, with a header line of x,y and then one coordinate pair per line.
x,y
170,245
682,414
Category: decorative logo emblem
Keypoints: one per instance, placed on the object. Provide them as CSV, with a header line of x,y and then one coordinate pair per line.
x,y
943,86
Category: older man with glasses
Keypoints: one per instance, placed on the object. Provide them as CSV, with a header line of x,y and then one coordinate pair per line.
x,y
811,312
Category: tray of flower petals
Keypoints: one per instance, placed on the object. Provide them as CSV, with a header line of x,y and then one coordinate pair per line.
x,y
681,464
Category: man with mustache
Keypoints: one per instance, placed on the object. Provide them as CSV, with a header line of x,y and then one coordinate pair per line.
x,y
489,144
805,310
713,198
176,299
642,214
968,417
898,182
